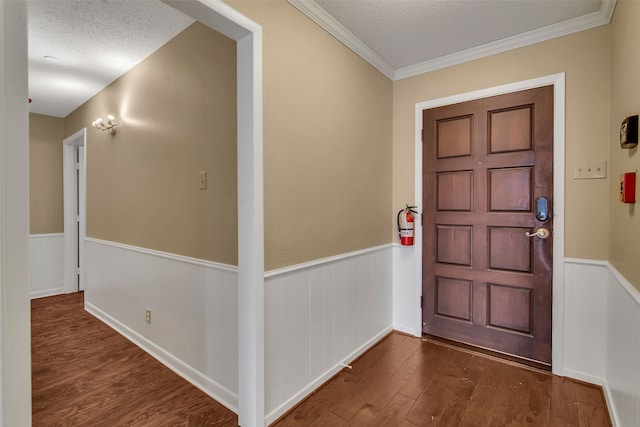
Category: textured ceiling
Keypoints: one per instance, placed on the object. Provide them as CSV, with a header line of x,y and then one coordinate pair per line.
x,y
92,42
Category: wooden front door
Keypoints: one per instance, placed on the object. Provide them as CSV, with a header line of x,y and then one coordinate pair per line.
x,y
485,281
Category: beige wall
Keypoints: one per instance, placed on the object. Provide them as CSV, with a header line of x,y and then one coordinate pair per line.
x,y
45,174
625,101
176,114
327,141
329,122
584,57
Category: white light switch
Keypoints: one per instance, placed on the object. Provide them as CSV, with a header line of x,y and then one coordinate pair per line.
x,y
203,180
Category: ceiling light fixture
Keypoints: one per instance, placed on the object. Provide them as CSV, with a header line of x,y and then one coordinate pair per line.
x,y
108,126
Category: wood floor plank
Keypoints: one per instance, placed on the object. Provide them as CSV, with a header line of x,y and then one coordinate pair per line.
x,y
328,419
393,412
449,387
433,357
85,374
564,405
453,379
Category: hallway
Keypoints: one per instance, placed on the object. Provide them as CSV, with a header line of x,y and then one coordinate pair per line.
x,y
86,374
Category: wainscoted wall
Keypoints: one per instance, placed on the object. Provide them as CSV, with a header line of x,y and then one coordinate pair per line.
x,y
602,339
193,305
319,315
407,314
46,264
585,319
622,349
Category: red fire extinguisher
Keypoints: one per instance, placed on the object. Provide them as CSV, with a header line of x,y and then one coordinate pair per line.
x,y
406,225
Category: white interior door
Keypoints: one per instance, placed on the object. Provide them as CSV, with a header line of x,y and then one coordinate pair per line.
x,y
74,211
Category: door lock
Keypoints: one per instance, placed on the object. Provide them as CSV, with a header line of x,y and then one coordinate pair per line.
x,y
540,233
543,211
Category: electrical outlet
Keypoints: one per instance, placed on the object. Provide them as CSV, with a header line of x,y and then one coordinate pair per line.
x,y
148,315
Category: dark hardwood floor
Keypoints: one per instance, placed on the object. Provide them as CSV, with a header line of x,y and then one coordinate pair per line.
x,y
85,374
404,381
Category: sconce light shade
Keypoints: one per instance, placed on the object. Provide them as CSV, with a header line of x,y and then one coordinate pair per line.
x,y
108,126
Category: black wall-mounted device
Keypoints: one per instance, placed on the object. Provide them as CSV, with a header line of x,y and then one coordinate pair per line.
x,y
629,132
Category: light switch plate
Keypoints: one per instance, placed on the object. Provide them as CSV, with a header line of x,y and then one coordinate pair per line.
x,y
591,170
203,180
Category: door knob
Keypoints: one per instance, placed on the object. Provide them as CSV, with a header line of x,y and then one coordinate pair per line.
x,y
540,233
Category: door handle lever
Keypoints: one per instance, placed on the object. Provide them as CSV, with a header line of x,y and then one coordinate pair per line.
x,y
540,233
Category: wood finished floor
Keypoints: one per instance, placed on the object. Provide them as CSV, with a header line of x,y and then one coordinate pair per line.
x,y
85,374
404,381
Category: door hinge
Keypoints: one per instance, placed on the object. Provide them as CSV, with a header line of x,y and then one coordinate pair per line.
x,y
421,301
422,135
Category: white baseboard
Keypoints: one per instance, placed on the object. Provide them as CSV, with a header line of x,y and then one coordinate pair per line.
x,y
586,377
208,386
299,396
46,293
347,303
319,315
193,304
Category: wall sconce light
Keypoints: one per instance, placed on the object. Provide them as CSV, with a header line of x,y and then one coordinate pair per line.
x,y
108,126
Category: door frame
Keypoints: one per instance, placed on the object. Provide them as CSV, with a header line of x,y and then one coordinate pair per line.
x,y
72,196
557,312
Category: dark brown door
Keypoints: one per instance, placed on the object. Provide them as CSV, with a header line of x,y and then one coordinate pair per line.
x,y
485,282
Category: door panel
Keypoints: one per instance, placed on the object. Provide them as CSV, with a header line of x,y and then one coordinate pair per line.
x,y
485,282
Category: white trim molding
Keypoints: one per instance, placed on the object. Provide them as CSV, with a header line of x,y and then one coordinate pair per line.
x,y
317,14
320,16
595,19
167,255
414,257
318,262
213,389
74,195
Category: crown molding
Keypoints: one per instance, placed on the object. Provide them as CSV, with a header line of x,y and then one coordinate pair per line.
x,y
581,23
318,15
311,9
